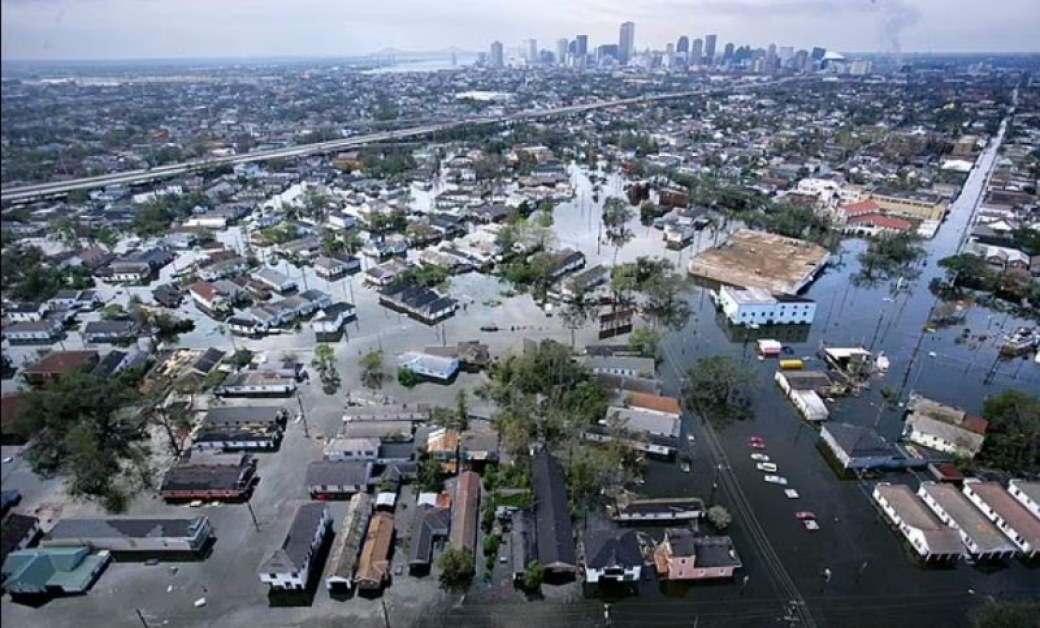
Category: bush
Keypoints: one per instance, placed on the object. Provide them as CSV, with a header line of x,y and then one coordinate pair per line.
x,y
457,569
719,517
407,378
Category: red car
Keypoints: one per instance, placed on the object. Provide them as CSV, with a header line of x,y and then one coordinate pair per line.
x,y
756,442
804,515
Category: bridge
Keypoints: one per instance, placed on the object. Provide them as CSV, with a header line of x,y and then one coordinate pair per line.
x,y
57,189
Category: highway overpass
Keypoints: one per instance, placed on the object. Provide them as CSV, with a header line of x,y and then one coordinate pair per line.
x,y
57,189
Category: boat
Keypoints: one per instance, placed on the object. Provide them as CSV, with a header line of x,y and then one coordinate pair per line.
x,y
775,479
768,467
882,362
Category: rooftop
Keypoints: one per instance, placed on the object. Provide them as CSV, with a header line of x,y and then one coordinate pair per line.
x,y
1008,508
761,260
941,538
125,528
296,548
346,550
966,516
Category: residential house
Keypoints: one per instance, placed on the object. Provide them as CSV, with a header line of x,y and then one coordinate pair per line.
x,y
757,306
17,532
857,447
167,296
341,220
334,267
943,428
804,389
330,479
1027,493
275,280
373,570
257,384
981,537
554,533
291,565
418,302
56,364
684,555
610,556
52,570
74,300
1010,516
46,332
627,366
27,312
110,331
919,205
386,273
346,549
429,524
224,268
207,361
133,535
431,367
212,477
628,509
340,449
567,261
652,432
329,325
130,272
930,538
465,512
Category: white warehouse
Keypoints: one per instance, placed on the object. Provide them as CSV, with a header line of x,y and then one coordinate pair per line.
x,y
758,306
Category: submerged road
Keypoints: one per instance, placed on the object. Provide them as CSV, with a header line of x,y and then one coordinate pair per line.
x,y
29,193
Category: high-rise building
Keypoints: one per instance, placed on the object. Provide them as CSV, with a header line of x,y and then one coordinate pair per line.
x,y
709,49
801,60
770,63
561,51
581,48
627,42
497,57
532,51
697,52
607,51
818,53
683,45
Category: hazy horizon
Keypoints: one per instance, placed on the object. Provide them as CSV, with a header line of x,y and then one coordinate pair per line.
x,y
71,30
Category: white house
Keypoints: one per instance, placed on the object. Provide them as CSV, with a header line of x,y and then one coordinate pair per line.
x,y
611,557
1010,516
333,318
1027,493
257,384
978,534
857,447
276,280
434,367
757,306
209,298
36,332
927,535
341,449
943,428
132,534
289,567
333,479
341,220
628,366
26,312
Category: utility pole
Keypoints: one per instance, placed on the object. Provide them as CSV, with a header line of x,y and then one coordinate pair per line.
x,y
303,416
386,614
140,616
256,524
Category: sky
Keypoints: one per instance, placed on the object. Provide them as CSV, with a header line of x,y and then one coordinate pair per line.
x,y
148,29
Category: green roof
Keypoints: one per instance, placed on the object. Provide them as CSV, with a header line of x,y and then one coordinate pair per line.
x,y
68,569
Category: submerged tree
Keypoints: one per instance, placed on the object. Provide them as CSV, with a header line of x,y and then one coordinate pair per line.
x,y
616,216
717,389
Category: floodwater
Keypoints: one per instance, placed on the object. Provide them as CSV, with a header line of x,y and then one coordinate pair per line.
x,y
873,583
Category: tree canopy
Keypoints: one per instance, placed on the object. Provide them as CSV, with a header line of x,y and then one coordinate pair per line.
x,y
717,388
457,568
1013,436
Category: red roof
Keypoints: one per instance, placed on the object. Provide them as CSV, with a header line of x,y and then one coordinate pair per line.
x,y
881,221
61,362
862,207
204,289
975,424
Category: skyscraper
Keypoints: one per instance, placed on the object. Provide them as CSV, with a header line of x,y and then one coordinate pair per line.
x,y
532,51
497,57
709,49
818,53
627,41
683,46
581,46
770,64
697,51
561,51
727,53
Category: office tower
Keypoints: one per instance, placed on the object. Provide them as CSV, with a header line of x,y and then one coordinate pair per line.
x,y
581,46
608,51
697,51
801,60
683,46
709,49
532,51
669,49
770,63
818,53
561,51
546,57
497,56
727,53
627,42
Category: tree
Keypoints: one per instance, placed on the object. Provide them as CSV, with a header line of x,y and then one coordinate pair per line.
x,y
457,569
429,473
578,310
1013,435
1006,614
719,517
645,340
889,255
534,574
325,361
241,358
667,300
372,369
616,216
716,388
407,377
461,410
81,430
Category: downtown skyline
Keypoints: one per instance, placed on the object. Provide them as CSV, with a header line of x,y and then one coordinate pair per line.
x,y
126,29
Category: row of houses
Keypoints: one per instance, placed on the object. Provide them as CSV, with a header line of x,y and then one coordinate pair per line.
x,y
982,520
